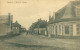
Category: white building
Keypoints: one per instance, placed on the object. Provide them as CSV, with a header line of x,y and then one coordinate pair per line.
x,y
66,21
41,31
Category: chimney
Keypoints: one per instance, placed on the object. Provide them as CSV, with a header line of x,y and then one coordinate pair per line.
x,y
49,16
53,15
10,17
9,14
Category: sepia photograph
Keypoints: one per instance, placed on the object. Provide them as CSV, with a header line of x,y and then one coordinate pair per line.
x,y
39,24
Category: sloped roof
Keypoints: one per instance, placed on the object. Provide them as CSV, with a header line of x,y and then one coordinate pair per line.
x,y
41,24
16,24
68,12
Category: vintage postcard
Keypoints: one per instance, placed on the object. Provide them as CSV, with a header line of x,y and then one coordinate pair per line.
x,y
39,24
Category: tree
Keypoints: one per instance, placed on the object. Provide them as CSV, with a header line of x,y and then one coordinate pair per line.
x,y
40,23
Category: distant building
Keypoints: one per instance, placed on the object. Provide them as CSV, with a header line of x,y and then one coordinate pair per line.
x,y
39,27
16,27
41,31
23,29
5,24
66,21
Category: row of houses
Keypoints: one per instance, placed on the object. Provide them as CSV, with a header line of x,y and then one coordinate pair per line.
x,y
7,26
64,22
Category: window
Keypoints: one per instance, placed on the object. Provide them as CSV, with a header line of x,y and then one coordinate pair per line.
x,y
78,11
78,28
66,29
71,29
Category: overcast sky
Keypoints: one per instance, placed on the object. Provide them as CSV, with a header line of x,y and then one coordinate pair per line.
x,y
27,12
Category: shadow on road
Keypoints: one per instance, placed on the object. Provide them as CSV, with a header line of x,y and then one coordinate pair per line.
x,y
36,46
8,36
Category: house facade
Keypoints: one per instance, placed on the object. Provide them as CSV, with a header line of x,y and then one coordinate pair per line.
x,y
40,31
5,24
16,27
66,21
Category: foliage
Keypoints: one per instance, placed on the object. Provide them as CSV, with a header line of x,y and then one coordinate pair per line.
x,y
39,23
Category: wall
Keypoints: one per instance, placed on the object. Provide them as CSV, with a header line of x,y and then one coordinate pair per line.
x,y
15,30
42,31
5,24
4,29
4,19
58,29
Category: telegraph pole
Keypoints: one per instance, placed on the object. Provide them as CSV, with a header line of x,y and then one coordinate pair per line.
x,y
38,29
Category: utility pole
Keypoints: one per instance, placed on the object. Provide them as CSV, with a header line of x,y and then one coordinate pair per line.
x,y
53,15
38,29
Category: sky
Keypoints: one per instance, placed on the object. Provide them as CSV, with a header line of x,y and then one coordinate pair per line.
x,y
27,12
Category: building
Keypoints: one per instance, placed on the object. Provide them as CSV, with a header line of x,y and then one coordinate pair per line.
x,y
40,31
16,27
23,29
5,24
39,27
66,21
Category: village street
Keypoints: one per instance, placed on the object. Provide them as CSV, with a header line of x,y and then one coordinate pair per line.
x,y
39,42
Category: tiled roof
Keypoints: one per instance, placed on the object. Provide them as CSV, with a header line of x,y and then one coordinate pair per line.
x,y
16,24
69,11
